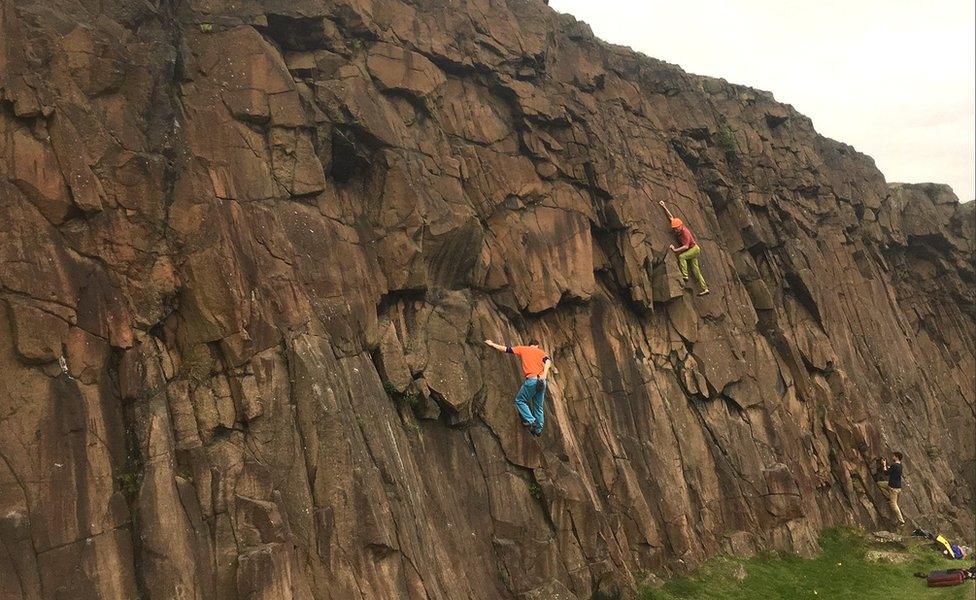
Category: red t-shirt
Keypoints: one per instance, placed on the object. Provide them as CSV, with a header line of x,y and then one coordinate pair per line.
x,y
533,359
685,237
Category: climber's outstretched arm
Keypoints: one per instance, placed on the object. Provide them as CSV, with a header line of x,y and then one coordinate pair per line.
x,y
498,347
676,249
666,209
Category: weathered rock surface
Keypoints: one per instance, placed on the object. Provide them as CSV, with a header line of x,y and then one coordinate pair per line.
x,y
250,249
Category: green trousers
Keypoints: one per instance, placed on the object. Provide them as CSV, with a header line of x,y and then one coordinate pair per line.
x,y
691,256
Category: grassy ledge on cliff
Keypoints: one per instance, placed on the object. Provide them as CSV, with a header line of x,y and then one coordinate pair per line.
x,y
850,566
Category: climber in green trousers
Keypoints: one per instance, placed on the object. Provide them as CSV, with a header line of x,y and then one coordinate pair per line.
x,y
687,252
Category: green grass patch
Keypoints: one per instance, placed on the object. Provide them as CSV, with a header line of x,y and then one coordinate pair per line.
x,y
413,399
726,140
839,572
536,490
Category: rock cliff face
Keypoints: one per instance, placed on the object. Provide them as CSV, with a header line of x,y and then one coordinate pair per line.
x,y
250,250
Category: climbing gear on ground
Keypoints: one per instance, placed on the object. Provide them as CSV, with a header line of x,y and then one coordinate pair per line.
x,y
950,551
946,578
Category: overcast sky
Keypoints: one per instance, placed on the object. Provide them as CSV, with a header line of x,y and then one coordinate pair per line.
x,y
893,78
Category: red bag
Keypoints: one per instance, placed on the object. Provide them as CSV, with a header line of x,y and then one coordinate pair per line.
x,y
946,578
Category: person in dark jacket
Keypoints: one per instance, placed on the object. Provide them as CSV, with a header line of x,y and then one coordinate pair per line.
x,y
892,486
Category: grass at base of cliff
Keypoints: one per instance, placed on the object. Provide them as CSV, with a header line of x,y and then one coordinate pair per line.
x,y
839,572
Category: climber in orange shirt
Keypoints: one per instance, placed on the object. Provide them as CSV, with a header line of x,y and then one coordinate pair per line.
x,y
687,252
535,368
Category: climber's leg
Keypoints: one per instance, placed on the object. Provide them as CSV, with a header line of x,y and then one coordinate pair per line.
x,y
696,269
883,488
691,256
685,257
522,399
890,496
893,503
539,405
683,263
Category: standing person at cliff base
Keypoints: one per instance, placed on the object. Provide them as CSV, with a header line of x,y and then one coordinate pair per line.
x,y
687,251
535,368
892,487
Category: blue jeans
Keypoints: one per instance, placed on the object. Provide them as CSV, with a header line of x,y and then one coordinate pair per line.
x,y
534,391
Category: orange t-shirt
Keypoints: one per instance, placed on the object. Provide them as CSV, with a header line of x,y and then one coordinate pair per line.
x,y
533,359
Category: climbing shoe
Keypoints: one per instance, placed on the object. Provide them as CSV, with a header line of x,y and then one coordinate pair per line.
x,y
528,425
704,292
536,432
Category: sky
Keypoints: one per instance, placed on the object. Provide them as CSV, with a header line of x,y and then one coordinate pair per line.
x,y
896,79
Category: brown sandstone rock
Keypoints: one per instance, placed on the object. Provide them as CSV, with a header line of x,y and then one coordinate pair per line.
x,y
247,269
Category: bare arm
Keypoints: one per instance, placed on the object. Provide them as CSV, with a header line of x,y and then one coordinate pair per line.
x,y
546,365
498,347
665,207
675,249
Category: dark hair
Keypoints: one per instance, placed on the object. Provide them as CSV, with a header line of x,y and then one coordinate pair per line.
x,y
897,455
533,342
